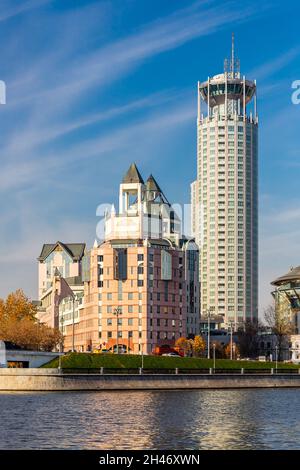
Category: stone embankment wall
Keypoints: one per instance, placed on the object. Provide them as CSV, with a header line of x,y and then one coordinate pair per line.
x,y
53,380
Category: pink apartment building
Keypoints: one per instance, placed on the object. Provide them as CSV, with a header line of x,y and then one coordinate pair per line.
x,y
139,288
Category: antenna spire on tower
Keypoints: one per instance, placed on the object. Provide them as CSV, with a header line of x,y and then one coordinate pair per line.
x,y
232,65
232,54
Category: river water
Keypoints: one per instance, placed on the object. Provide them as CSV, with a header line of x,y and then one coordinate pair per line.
x,y
204,419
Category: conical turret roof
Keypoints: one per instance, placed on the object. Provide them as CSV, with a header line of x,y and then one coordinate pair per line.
x,y
133,175
152,185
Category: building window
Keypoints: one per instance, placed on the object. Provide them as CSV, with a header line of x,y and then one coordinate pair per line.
x,y
140,270
140,257
166,291
130,308
140,283
130,321
109,321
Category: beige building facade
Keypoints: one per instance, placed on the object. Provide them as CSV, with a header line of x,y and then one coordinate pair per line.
x,y
224,196
55,261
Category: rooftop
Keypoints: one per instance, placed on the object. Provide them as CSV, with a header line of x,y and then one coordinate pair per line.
x,y
133,175
75,250
292,275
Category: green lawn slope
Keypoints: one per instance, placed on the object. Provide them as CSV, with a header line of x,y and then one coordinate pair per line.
x,y
123,361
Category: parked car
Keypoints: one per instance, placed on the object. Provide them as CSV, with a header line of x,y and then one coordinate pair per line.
x,y
171,354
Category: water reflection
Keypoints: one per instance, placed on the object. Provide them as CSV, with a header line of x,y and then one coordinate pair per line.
x,y
212,419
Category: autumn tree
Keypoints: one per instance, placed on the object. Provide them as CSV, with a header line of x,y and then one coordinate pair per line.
x,y
235,350
185,345
198,346
281,326
17,307
219,350
19,325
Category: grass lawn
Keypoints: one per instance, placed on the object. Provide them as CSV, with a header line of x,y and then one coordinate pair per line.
x,y
123,361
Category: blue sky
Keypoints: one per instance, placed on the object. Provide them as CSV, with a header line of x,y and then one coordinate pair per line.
x,y
95,85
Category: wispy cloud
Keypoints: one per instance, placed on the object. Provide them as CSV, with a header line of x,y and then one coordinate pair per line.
x,y
98,68
118,139
8,11
273,66
58,118
107,63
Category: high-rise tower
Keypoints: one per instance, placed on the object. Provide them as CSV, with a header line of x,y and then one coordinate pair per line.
x,y
225,217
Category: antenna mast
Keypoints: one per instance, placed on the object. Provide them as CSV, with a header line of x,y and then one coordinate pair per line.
x,y
232,55
232,65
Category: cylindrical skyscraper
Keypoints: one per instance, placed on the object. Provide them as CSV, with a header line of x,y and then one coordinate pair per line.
x,y
227,213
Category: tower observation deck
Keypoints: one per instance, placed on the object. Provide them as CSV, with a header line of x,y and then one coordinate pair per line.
x,y
229,93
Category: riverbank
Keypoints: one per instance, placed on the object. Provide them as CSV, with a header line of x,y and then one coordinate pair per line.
x,y
54,380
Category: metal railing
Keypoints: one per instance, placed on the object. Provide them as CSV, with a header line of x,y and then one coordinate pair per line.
x,y
178,371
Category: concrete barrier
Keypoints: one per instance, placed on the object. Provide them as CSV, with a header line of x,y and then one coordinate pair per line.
x,y
53,380
27,372
30,358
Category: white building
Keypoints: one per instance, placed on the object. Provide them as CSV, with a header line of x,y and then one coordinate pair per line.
x,y
227,195
195,210
295,348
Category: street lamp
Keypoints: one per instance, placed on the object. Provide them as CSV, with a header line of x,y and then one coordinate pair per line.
x,y
276,357
62,320
214,351
117,313
73,323
61,342
231,341
231,344
208,333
